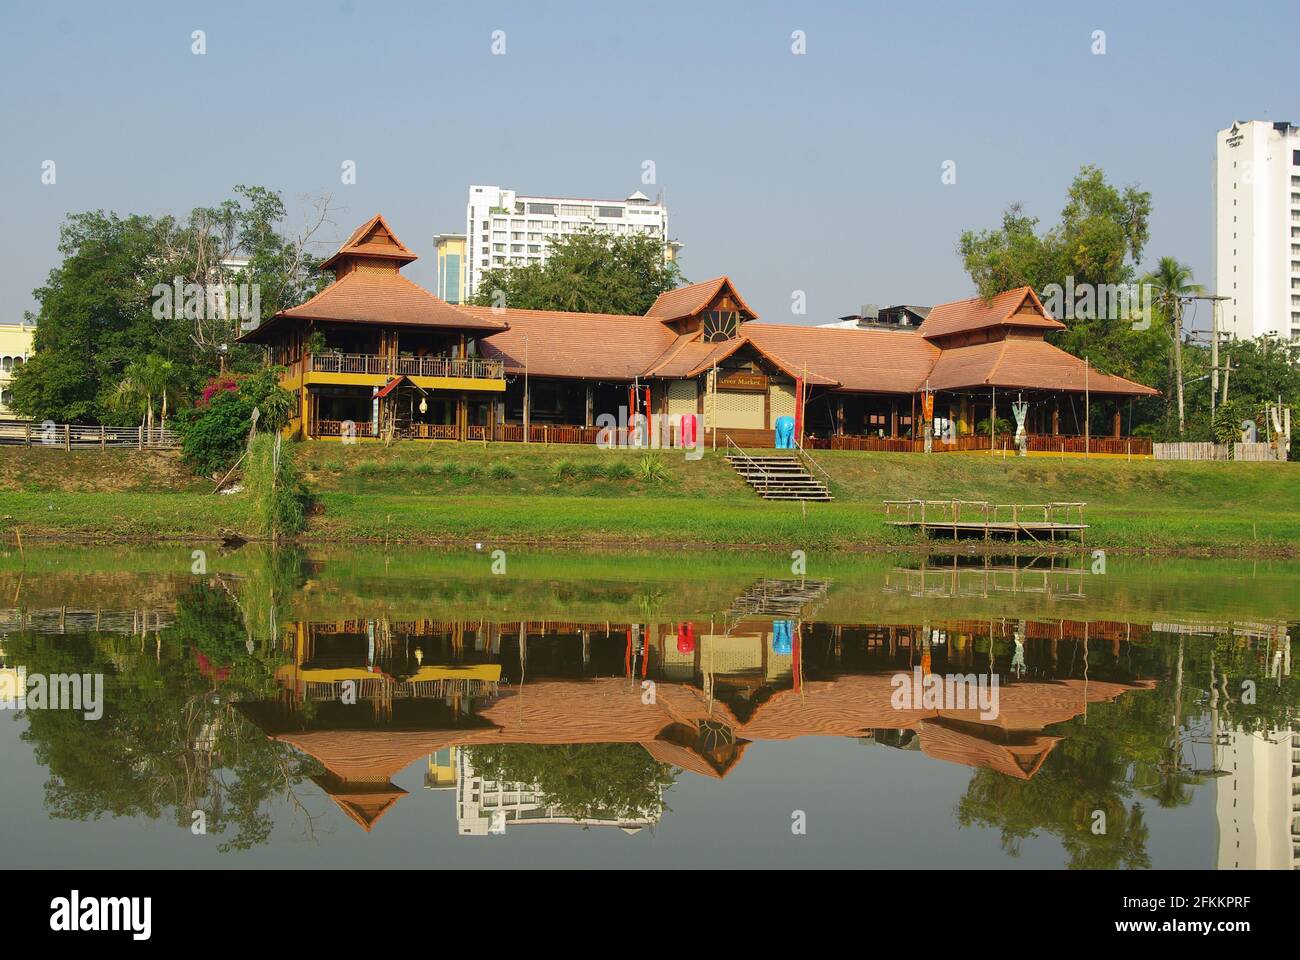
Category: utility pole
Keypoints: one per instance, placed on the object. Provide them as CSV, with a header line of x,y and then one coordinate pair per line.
x,y
1214,300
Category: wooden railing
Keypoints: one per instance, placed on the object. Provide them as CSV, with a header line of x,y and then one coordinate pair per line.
x,y
1037,443
81,436
472,369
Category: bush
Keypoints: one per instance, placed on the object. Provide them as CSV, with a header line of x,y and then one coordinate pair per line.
x,y
565,470
591,471
213,434
651,468
501,471
280,500
619,470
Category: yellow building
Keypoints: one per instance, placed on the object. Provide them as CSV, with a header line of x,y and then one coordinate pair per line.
x,y
452,251
15,349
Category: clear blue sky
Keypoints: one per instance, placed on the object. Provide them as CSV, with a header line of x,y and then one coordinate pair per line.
x,y
818,172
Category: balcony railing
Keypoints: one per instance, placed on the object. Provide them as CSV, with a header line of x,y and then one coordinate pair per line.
x,y
472,369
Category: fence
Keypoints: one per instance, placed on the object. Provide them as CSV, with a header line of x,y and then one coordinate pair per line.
x,y
1035,443
1215,451
81,436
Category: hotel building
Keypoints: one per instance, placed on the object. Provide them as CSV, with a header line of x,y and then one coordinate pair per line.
x,y
505,228
1257,228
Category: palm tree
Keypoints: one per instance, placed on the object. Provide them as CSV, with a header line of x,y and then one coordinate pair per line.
x,y
144,381
1170,282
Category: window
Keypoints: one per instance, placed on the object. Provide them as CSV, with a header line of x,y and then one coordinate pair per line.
x,y
720,325
546,208
609,212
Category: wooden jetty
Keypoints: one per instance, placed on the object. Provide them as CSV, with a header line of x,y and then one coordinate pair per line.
x,y
1037,521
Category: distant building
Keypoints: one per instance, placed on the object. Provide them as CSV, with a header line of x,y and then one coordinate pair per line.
x,y
504,228
1257,228
1256,800
16,346
451,249
873,317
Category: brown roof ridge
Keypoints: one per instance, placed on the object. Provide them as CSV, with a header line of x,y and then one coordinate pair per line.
x,y
671,352
694,297
478,308
353,247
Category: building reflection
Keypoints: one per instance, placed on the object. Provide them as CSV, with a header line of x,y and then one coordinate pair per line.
x,y
367,698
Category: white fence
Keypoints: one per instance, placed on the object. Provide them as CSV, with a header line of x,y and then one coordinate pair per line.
x,y
1215,451
81,436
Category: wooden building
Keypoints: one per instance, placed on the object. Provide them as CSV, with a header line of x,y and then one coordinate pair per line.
x,y
376,356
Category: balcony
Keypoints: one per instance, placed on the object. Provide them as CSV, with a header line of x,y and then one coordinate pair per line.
x,y
366,363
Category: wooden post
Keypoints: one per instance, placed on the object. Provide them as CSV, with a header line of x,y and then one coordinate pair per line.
x,y
893,418
101,436
67,436
1115,423
27,431
139,436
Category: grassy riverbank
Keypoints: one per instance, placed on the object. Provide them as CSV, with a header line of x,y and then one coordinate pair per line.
x,y
571,495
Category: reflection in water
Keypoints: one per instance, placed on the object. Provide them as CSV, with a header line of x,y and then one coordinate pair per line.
x,y
223,699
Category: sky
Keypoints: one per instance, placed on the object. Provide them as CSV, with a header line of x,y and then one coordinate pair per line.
x,y
819,171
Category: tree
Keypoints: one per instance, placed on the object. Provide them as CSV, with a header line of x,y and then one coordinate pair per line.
x,y
1099,239
589,272
1170,282
103,308
146,380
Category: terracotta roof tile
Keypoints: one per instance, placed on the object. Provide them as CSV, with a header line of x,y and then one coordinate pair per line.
x,y
373,238
961,316
879,361
379,298
689,300
593,346
1026,364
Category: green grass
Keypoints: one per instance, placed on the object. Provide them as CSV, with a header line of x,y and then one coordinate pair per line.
x,y
582,495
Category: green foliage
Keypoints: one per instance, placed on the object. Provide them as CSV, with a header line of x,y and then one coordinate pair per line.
x,y
589,272
586,780
1003,426
213,434
273,483
1100,237
501,471
619,470
651,469
102,310
564,470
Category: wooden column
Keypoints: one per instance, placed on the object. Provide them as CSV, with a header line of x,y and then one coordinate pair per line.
x,y
893,418
591,403
1115,422
839,416
1056,417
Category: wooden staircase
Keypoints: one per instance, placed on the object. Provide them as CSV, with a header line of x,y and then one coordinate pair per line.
x,y
779,477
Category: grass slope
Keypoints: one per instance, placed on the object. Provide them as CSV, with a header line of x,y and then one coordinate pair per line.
x,y
512,492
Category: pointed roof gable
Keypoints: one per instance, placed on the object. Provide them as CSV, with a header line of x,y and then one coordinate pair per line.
x,y
374,238
1010,308
690,300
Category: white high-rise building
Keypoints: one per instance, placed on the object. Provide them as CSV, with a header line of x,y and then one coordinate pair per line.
x,y
504,228
1257,801
1257,228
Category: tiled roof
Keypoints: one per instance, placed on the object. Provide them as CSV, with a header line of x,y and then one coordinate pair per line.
x,y
689,300
386,298
594,346
961,316
879,361
1027,364
373,238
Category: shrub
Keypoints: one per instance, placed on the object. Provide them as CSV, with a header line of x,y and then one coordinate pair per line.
x,y
213,434
501,471
591,471
280,500
619,470
565,470
651,468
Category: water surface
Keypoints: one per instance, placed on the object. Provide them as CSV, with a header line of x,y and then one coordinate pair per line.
x,y
482,709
